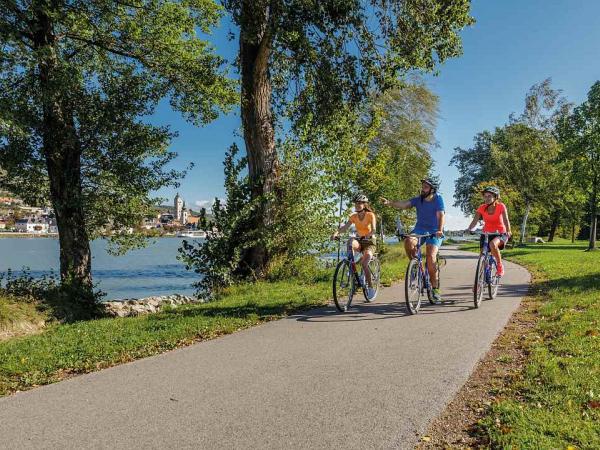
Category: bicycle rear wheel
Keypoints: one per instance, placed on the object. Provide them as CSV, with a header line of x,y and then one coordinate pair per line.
x,y
493,282
412,287
343,286
479,284
375,269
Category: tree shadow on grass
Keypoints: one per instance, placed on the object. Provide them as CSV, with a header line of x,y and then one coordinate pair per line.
x,y
574,284
237,311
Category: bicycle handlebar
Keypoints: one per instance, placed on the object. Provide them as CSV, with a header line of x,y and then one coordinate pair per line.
x,y
338,237
481,233
430,235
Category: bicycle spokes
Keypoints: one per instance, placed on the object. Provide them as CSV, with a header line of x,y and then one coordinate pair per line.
x,y
413,286
343,285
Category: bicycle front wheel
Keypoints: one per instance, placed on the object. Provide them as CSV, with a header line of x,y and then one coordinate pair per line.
x,y
479,284
343,286
375,269
494,281
412,287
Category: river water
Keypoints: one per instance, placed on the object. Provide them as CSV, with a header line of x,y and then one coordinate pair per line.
x,y
153,270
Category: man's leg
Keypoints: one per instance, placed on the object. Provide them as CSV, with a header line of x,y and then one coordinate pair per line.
x,y
410,247
432,251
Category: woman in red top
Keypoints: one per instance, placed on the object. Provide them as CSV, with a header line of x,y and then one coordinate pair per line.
x,y
495,220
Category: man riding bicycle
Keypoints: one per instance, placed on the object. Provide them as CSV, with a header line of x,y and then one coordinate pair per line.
x,y
366,225
430,220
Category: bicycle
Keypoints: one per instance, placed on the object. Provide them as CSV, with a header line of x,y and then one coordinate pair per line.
x,y
486,272
348,277
417,280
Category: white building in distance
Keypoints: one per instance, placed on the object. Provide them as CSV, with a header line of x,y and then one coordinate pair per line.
x,y
31,226
181,212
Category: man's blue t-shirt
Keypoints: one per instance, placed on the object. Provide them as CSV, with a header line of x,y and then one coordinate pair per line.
x,y
427,213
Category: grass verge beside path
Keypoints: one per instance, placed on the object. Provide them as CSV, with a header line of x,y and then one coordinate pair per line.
x,y
63,350
554,401
18,317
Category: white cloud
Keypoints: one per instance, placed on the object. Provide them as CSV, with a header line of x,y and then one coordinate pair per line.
x,y
207,204
203,203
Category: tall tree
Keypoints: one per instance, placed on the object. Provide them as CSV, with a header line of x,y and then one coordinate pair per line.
x,y
580,134
318,55
523,157
202,222
76,79
399,155
474,166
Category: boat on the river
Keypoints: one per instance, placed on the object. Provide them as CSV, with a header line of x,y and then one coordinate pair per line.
x,y
194,234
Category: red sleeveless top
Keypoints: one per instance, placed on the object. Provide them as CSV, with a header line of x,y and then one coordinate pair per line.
x,y
493,222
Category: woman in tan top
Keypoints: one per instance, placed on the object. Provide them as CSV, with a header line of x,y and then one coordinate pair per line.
x,y
365,221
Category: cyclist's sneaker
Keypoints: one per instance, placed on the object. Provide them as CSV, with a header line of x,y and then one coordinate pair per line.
x,y
436,294
371,293
500,271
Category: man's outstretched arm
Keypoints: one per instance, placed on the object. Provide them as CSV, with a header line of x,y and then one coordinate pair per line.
x,y
398,204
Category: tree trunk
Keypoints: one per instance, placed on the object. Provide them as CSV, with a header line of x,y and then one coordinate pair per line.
x,y
63,161
594,217
257,121
553,228
524,222
573,233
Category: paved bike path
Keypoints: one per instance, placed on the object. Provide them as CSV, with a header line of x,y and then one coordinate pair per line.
x,y
371,378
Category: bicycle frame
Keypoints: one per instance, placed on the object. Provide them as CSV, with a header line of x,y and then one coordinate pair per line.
x,y
488,257
423,269
352,262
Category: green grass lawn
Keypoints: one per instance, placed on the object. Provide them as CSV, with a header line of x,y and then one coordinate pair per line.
x,y
556,401
65,349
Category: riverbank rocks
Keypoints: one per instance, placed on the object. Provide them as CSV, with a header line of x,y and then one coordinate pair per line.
x,y
148,305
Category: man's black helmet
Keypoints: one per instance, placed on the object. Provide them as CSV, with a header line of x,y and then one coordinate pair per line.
x,y
431,183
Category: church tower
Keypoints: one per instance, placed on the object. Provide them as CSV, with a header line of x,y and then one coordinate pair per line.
x,y
178,208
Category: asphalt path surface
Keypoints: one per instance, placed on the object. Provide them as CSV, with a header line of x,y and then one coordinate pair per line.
x,y
373,377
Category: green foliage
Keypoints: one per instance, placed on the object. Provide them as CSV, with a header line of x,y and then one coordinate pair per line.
x,y
109,65
523,156
217,259
579,132
65,301
399,155
306,269
202,222
475,167
330,53
313,63
526,160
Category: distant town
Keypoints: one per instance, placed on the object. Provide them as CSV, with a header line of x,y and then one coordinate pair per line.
x,y
175,220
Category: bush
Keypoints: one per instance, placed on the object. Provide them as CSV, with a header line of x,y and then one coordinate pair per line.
x,y
64,300
309,269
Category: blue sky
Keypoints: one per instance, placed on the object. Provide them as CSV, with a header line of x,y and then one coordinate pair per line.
x,y
513,45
